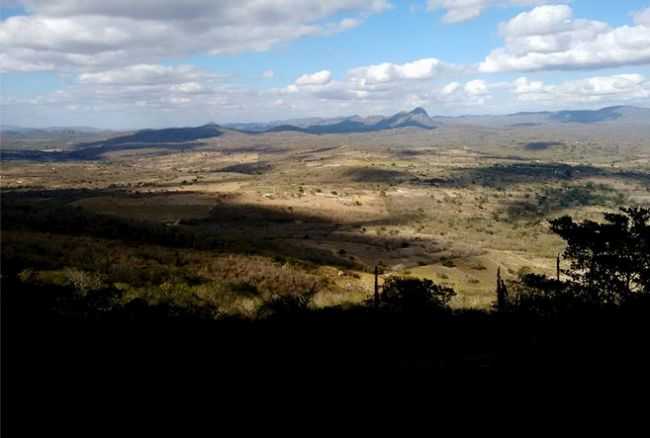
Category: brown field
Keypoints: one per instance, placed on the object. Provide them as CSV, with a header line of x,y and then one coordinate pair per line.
x,y
423,204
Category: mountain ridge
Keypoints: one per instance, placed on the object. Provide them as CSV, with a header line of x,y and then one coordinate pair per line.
x,y
417,118
307,122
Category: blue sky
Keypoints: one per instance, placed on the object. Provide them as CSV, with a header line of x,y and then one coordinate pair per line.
x,y
116,65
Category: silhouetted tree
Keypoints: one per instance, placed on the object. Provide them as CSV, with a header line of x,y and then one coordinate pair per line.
x,y
414,294
610,260
502,292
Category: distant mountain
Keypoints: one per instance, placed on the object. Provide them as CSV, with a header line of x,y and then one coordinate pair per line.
x,y
16,137
167,135
602,115
304,123
69,130
19,137
617,114
418,118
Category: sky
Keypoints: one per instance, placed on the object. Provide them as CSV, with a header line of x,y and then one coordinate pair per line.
x,y
125,64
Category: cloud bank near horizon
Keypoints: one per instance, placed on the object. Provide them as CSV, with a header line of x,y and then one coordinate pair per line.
x,y
114,59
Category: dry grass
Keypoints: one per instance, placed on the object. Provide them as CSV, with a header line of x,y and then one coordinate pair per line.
x,y
444,207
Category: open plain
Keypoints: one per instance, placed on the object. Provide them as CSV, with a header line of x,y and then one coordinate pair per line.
x,y
270,212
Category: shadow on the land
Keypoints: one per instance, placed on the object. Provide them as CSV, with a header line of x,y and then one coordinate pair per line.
x,y
374,175
553,200
256,168
230,227
504,175
541,145
96,152
255,149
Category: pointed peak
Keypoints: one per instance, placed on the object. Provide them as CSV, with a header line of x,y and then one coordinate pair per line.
x,y
419,110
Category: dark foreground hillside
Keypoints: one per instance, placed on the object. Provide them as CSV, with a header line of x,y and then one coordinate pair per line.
x,y
339,340
593,315
594,318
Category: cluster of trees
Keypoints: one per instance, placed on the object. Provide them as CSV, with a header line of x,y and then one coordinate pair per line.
x,y
609,267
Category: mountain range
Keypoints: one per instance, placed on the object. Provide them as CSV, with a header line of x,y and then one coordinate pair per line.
x,y
417,118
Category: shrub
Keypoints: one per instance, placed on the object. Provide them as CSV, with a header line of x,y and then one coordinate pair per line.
x,y
448,263
415,295
26,275
83,281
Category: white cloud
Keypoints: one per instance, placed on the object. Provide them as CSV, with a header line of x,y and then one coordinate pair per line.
x,y
450,88
319,78
170,98
383,88
462,10
599,89
87,34
349,23
23,63
540,21
151,86
188,88
229,10
524,86
476,88
417,70
145,74
268,74
549,38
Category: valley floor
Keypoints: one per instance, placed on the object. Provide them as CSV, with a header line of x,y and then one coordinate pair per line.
x,y
252,216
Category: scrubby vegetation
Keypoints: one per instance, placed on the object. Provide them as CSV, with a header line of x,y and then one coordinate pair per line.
x,y
609,268
277,231
609,264
605,281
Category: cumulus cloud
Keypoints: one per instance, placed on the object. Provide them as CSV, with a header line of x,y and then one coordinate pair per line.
x,y
86,34
152,86
162,96
319,78
457,11
145,74
417,70
455,95
387,82
450,88
599,89
523,86
550,38
349,23
476,88
381,88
